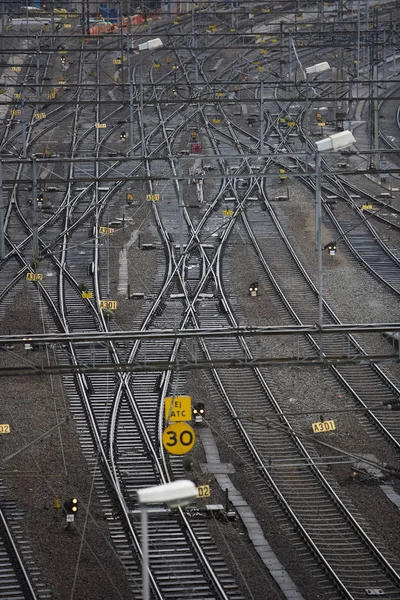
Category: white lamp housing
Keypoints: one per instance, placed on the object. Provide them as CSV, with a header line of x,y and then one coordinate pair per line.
x,y
176,493
151,44
336,141
318,68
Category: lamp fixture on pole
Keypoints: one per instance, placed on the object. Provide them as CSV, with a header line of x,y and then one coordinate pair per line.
x,y
174,494
335,142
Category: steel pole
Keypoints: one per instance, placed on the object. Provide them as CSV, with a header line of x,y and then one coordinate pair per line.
x,y
122,45
375,88
281,38
35,210
261,117
37,80
306,120
384,66
142,108
52,26
180,205
145,553
318,223
24,134
358,41
130,81
2,249
108,265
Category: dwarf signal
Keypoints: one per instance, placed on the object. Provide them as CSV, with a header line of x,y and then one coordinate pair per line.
x,y
71,509
331,247
253,289
198,412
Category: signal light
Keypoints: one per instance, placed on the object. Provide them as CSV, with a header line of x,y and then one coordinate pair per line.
x,y
71,506
199,412
39,198
28,344
122,135
331,247
253,289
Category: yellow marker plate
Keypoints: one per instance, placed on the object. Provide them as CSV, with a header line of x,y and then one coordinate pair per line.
x,y
322,426
108,304
203,491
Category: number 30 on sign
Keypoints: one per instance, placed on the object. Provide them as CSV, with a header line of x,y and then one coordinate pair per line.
x,y
178,438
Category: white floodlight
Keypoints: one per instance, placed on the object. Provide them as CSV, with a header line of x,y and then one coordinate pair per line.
x,y
176,493
151,44
336,141
318,68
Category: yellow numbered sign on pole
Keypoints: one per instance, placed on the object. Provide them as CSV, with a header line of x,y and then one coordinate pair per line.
x,y
178,438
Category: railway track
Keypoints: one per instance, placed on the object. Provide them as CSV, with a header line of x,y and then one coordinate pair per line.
x,y
20,577
120,417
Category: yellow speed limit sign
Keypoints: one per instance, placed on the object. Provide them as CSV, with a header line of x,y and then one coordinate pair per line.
x,y
178,438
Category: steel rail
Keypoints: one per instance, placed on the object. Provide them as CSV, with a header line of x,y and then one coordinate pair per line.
x,y
237,420
17,559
